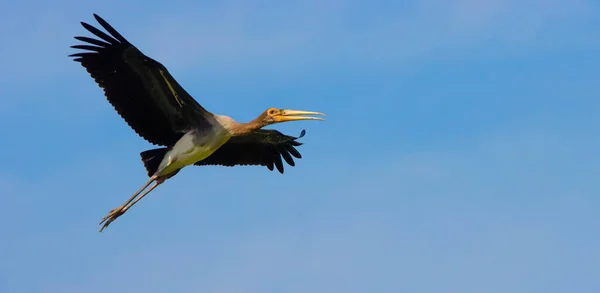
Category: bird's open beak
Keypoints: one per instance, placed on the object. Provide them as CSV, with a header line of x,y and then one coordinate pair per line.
x,y
294,115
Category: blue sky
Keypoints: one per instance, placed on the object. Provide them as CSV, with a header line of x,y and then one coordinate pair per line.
x,y
460,151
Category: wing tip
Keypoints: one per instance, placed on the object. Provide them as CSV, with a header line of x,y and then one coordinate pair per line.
x,y
302,133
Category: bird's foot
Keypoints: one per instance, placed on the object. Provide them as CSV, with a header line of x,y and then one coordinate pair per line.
x,y
112,215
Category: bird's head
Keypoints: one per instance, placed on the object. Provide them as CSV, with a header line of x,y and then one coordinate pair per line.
x,y
275,115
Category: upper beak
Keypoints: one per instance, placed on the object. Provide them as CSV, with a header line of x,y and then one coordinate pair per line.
x,y
293,115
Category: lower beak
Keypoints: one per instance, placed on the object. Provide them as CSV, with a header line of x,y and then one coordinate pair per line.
x,y
294,115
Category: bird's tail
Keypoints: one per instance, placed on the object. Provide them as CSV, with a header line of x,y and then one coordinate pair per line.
x,y
152,158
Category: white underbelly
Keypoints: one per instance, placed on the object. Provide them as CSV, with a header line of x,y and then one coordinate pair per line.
x,y
187,151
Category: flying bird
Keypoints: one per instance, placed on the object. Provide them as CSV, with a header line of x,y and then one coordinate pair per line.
x,y
159,110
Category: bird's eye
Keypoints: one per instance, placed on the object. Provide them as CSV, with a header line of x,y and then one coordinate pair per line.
x,y
272,112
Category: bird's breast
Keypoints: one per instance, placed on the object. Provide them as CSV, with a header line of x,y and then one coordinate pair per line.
x,y
201,145
193,147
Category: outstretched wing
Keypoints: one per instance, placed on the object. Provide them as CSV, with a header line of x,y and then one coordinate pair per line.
x,y
262,147
140,89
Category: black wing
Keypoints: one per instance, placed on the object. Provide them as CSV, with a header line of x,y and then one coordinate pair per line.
x,y
140,89
262,147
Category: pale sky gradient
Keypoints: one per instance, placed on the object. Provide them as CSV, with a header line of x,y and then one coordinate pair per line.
x,y
460,152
